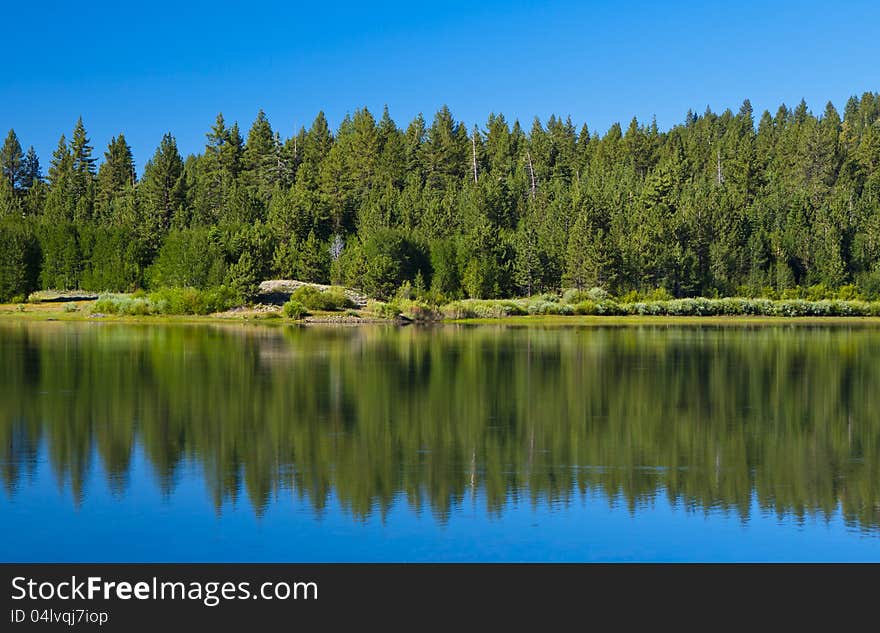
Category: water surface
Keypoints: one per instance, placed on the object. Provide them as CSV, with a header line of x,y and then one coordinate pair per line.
x,y
489,443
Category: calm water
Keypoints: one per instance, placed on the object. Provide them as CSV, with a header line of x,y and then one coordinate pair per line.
x,y
226,443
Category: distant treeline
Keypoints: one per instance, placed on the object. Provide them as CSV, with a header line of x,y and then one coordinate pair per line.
x,y
716,206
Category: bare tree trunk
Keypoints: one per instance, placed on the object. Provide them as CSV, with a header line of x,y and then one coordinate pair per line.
x,y
531,172
474,152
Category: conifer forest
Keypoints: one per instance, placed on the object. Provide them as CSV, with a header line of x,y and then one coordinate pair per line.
x,y
736,203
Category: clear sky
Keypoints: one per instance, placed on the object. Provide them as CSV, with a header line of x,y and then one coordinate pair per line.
x,y
147,68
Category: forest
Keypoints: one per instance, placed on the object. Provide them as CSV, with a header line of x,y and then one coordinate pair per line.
x,y
721,205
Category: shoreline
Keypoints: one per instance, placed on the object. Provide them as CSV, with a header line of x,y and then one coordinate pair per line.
x,y
49,313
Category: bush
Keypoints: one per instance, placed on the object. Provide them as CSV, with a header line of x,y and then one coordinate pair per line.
x,y
585,308
598,294
631,297
459,310
849,293
294,310
313,298
123,304
658,294
192,301
609,307
548,297
513,308
575,295
383,310
419,311
167,301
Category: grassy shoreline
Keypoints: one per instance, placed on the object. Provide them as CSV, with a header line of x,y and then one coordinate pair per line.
x,y
57,313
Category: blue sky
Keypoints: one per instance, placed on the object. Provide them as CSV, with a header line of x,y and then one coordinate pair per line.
x,y
144,69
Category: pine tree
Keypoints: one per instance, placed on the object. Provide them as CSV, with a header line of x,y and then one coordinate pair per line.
x,y
161,192
217,171
391,166
260,158
445,151
313,260
12,162
116,174
528,264
31,172
83,172
60,203
10,205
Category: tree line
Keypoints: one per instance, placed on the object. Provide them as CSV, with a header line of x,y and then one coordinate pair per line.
x,y
718,205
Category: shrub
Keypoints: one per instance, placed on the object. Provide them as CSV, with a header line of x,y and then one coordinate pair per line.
x,y
419,311
643,308
598,294
179,301
658,294
123,304
513,308
383,310
585,308
575,295
167,301
609,307
294,310
630,297
322,300
849,293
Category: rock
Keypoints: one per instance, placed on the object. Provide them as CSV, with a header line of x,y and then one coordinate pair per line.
x,y
278,291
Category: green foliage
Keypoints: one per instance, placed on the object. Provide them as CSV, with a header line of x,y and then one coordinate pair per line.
x,y
19,259
243,277
168,301
313,298
112,258
381,263
189,257
124,304
384,310
294,310
444,262
715,206
162,193
194,301
62,263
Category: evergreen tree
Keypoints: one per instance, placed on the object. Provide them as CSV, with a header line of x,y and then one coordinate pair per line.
x,y
82,173
116,174
260,158
12,162
161,192
31,172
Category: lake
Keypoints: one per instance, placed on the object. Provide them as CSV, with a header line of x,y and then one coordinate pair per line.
x,y
123,442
